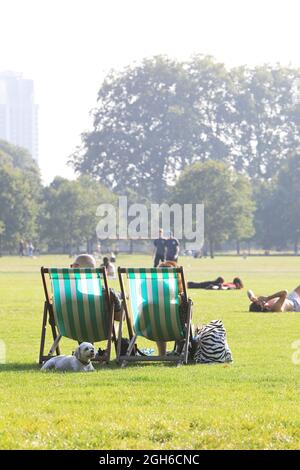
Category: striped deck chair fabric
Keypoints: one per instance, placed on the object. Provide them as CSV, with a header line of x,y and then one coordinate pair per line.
x,y
155,303
79,306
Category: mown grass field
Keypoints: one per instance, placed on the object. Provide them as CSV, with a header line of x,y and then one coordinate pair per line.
x,y
250,404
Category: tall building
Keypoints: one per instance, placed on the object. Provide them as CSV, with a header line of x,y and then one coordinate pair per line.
x,y
18,112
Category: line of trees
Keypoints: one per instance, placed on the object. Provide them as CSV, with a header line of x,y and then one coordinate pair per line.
x,y
58,217
169,131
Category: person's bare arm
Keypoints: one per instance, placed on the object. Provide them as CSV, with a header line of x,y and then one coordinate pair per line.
x,y
280,294
278,306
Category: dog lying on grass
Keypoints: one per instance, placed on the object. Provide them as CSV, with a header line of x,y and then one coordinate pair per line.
x,y
79,362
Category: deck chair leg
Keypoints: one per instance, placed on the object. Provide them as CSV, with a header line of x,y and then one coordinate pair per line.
x,y
129,350
114,338
110,333
120,336
54,332
43,334
188,331
131,345
55,345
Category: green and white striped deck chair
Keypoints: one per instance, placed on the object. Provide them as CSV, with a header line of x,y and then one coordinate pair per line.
x,y
154,311
78,308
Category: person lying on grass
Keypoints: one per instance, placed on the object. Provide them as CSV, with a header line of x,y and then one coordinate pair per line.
x,y
217,284
281,301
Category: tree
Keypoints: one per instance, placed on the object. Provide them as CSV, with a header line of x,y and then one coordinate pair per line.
x,y
211,98
19,196
265,119
154,119
243,208
288,195
226,200
143,127
69,216
278,207
267,223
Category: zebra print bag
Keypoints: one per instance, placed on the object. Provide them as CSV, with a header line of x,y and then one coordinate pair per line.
x,y
211,344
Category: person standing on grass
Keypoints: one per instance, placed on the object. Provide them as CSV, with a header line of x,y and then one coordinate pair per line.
x,y
30,249
160,248
172,245
21,248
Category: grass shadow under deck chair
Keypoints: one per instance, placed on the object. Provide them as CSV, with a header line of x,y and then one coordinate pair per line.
x,y
155,311
77,308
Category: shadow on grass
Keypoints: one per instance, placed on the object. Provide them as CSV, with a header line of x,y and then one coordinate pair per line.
x,y
34,367
19,367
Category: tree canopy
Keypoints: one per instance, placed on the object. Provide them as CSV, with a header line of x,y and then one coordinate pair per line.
x,y
20,188
227,200
69,213
154,119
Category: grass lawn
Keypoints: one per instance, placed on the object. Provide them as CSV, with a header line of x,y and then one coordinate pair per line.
x,y
250,404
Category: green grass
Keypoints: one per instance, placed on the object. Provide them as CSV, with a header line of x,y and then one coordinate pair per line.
x,y
251,404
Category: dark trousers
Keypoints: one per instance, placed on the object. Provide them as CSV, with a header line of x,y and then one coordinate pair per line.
x,y
158,258
203,285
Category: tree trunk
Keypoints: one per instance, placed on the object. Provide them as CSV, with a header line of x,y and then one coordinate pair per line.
x,y
238,248
211,249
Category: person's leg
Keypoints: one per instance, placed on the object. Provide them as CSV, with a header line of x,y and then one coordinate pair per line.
x,y
295,298
251,296
199,285
156,261
297,290
117,302
162,348
161,259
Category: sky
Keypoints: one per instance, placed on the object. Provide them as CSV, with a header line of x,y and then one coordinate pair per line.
x,y
68,46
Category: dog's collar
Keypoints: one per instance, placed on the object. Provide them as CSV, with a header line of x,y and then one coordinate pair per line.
x,y
82,362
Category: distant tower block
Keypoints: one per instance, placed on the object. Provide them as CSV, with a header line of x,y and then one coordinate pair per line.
x,y
18,112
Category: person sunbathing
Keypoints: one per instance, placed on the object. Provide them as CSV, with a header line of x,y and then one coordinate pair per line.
x,y
281,301
217,284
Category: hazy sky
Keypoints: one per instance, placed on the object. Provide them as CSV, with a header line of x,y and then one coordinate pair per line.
x,y
68,46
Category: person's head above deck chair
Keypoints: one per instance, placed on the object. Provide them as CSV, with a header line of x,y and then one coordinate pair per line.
x,y
172,264
84,261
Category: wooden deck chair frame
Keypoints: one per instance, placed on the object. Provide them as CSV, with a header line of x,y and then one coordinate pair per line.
x,y
48,316
181,358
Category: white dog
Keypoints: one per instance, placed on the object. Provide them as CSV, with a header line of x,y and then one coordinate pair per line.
x,y
80,362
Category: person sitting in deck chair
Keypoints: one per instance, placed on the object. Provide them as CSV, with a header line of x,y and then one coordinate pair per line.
x,y
281,301
88,261
110,268
161,345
